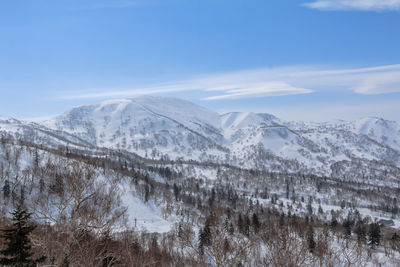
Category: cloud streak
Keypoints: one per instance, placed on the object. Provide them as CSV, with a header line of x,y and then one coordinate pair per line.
x,y
281,81
258,90
362,5
245,84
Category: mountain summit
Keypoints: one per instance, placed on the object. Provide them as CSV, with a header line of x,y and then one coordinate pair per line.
x,y
163,127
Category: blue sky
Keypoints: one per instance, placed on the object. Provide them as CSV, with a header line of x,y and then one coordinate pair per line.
x,y
298,59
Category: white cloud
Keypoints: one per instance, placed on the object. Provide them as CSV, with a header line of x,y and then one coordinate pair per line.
x,y
368,81
124,92
375,83
304,79
244,84
259,90
268,82
364,5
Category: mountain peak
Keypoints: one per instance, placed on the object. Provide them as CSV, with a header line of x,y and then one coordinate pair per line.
x,y
141,123
247,119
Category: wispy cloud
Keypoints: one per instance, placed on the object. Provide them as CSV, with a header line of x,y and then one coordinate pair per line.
x,y
243,84
267,82
116,92
363,5
257,90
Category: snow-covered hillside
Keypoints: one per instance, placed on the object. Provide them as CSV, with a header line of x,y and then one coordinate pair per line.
x,y
291,175
38,134
161,127
149,126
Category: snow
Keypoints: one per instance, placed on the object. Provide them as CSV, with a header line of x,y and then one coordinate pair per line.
x,y
143,216
181,110
383,131
155,127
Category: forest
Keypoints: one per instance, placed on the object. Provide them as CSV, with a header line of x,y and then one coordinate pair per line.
x,y
242,217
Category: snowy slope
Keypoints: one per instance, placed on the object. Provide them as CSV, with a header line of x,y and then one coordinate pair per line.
x,y
16,159
383,131
234,121
38,134
367,138
244,131
161,127
141,215
149,126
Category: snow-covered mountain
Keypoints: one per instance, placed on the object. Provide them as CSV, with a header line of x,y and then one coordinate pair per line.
x,y
366,138
162,127
87,188
39,134
149,126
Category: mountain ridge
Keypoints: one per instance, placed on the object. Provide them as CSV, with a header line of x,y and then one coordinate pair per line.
x,y
164,127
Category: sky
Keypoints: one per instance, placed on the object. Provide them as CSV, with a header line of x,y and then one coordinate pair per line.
x,y
310,60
